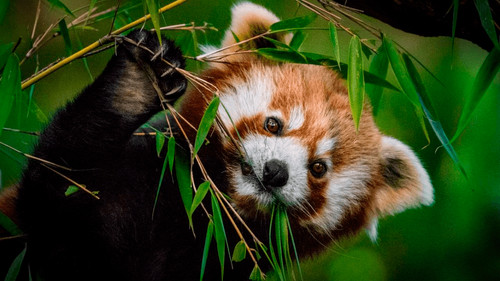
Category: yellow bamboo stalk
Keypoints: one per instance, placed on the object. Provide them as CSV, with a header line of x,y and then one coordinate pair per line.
x,y
94,45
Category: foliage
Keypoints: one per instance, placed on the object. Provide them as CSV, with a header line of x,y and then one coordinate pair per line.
x,y
409,77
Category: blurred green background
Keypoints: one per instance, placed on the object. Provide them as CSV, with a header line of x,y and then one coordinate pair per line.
x,y
458,238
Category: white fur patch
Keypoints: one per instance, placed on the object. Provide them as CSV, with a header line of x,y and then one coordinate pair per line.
x,y
246,98
325,145
344,191
297,118
260,149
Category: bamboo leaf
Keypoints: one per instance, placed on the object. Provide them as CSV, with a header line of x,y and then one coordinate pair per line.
x,y
278,43
355,80
15,266
71,190
205,124
400,71
7,224
488,71
155,16
282,55
63,29
483,8
5,50
60,5
200,195
162,175
331,62
220,233
430,113
171,153
206,248
298,38
335,42
160,142
378,67
293,23
183,174
256,274
240,251
10,87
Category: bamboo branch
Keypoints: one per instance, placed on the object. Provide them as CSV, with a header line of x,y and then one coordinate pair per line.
x,y
95,45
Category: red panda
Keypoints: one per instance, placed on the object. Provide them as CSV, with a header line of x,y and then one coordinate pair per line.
x,y
296,144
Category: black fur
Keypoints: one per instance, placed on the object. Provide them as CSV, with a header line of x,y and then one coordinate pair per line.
x,y
78,237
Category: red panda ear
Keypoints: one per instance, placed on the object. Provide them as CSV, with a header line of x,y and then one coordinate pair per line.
x,y
248,20
406,184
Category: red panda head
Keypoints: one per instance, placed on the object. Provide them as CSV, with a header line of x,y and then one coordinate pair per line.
x,y
297,144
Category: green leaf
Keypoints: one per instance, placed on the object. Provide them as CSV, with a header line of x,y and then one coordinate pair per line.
x,y
60,5
220,233
162,175
400,71
236,39
63,28
406,82
71,189
153,8
430,113
160,141
282,55
205,124
355,80
240,251
335,42
298,38
206,248
378,67
488,71
256,274
483,8
15,266
330,62
10,87
5,51
7,224
200,195
171,153
278,43
294,23
183,175
80,47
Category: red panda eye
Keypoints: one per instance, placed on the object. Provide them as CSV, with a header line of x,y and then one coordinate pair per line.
x,y
318,169
272,125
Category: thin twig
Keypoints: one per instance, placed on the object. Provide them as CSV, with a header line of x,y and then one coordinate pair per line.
x,y
95,45
43,161
82,187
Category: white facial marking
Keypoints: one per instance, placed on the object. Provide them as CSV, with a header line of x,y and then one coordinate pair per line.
x,y
296,118
343,191
260,149
247,98
325,145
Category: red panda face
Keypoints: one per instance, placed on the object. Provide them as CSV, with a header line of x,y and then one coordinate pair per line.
x,y
288,137
297,142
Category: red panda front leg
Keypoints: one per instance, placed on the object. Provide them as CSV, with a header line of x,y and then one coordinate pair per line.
x,y
100,121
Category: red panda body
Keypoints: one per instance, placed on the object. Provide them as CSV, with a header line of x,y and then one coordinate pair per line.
x,y
295,144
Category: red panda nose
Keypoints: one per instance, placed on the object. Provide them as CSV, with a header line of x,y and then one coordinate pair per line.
x,y
275,173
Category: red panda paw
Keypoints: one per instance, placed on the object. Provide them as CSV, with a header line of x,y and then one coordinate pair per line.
x,y
161,62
